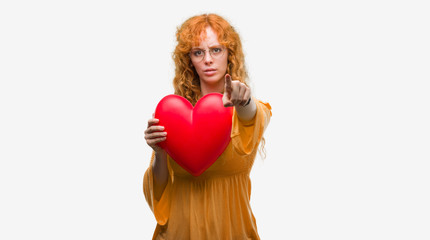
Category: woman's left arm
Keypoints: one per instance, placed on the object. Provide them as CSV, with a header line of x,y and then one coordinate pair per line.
x,y
237,94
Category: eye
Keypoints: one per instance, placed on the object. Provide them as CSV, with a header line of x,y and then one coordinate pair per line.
x,y
197,53
217,50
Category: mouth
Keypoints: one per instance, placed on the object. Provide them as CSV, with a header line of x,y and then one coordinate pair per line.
x,y
210,71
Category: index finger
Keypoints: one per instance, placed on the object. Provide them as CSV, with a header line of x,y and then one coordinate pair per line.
x,y
152,121
227,86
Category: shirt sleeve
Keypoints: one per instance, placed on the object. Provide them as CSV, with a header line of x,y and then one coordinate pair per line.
x,y
246,135
161,207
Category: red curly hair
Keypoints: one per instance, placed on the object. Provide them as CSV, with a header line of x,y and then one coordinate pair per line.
x,y
186,81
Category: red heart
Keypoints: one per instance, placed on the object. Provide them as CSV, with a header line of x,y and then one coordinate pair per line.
x,y
197,136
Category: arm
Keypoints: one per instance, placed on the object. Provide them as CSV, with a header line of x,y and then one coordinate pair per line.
x,y
161,174
153,135
247,112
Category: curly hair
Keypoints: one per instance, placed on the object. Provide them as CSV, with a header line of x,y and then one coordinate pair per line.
x,y
186,81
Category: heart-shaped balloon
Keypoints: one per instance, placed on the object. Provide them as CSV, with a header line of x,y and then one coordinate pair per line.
x,y
197,136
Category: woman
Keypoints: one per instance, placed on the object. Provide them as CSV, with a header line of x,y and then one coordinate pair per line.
x,y
214,205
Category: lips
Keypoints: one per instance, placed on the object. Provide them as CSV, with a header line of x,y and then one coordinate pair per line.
x,y
210,71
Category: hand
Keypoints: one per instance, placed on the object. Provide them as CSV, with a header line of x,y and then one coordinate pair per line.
x,y
235,93
154,134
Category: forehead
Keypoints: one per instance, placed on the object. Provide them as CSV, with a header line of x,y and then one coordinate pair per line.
x,y
208,38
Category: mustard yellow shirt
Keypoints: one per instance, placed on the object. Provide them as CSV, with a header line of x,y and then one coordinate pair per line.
x,y
214,205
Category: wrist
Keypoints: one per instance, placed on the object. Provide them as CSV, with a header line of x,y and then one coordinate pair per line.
x,y
247,103
160,152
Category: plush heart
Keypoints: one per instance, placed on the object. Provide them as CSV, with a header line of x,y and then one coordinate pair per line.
x,y
197,136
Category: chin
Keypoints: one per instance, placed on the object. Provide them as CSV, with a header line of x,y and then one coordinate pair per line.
x,y
212,79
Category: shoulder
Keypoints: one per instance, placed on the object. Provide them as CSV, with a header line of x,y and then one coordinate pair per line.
x,y
262,115
263,105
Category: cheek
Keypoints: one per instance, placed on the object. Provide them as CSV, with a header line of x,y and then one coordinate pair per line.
x,y
225,64
226,61
198,67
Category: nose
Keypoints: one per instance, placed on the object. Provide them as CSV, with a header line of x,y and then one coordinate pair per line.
x,y
208,58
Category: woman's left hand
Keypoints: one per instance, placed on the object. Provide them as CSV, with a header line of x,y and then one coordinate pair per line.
x,y
235,93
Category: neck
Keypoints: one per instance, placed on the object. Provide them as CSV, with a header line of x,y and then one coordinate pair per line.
x,y
206,88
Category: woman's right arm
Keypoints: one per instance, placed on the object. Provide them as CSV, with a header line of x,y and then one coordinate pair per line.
x,y
153,135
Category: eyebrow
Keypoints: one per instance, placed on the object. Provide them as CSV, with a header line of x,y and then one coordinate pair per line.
x,y
219,45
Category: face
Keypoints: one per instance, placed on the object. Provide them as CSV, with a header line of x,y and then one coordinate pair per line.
x,y
212,68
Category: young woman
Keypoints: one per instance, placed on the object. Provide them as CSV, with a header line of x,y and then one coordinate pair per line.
x,y
215,205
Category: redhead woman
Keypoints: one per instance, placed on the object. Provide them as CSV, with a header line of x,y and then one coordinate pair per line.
x,y
215,205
